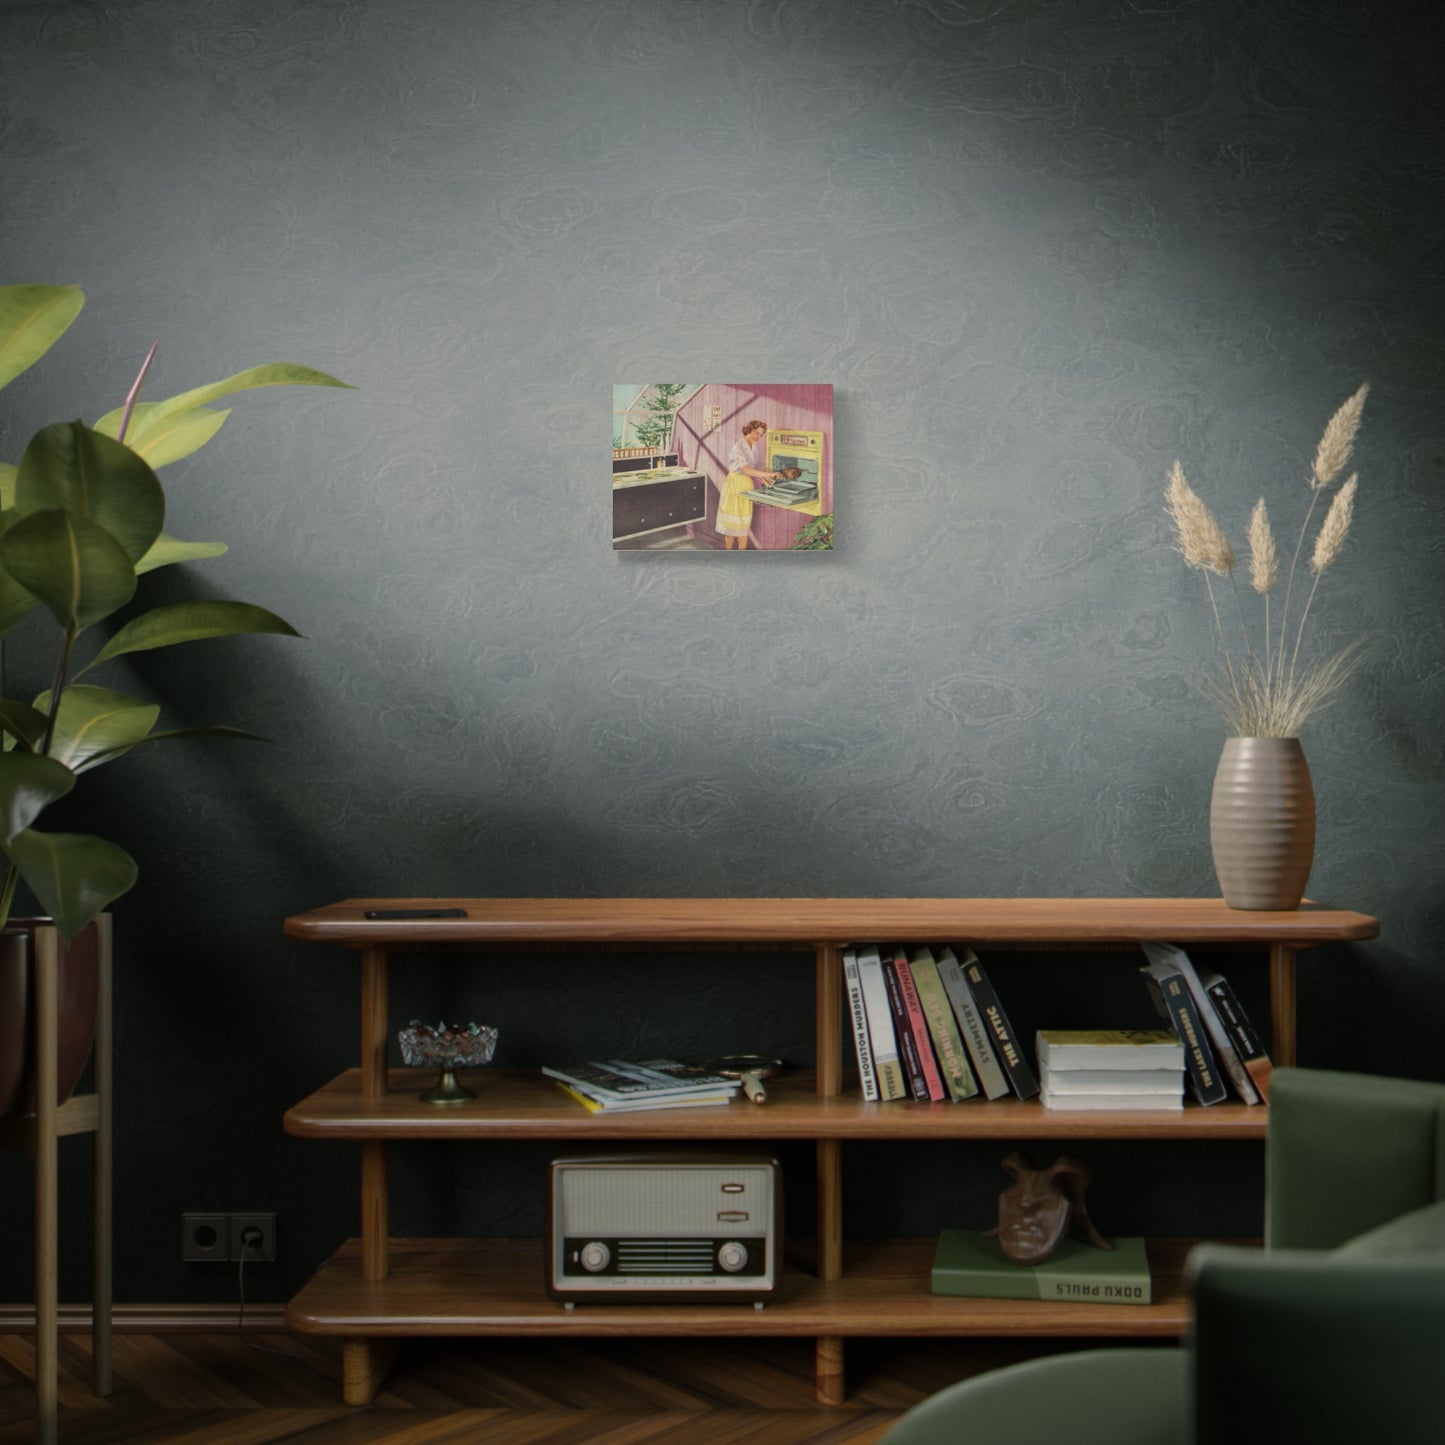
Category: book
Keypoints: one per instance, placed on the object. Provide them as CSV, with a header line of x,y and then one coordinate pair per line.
x,y
970,1023
618,1080
1241,1032
1001,1032
1224,1051
948,1043
907,1044
1175,1003
1077,1100
1108,1049
858,1018
637,1106
881,1034
973,1265
937,1090
1113,1081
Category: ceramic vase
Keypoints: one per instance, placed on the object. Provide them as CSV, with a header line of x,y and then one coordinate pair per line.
x,y
1262,823
78,986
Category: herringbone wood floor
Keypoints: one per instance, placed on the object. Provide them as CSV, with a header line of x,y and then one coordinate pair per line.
x,y
195,1389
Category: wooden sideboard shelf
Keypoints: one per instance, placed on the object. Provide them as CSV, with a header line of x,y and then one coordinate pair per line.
x,y
527,1105
493,1287
377,1289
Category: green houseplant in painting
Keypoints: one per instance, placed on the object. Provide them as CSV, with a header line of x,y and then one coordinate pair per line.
x,y
81,520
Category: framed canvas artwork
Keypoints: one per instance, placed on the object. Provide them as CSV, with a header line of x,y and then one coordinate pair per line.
x,y
722,466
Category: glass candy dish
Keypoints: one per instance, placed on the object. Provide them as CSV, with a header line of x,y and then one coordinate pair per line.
x,y
447,1047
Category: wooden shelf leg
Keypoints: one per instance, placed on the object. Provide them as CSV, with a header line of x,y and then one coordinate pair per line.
x,y
829,1005
364,1365
830,1082
1282,1002
46,973
828,1357
828,1370
374,1222
374,1263
102,1209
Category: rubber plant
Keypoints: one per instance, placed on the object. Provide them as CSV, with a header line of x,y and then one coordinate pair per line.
x,y
81,520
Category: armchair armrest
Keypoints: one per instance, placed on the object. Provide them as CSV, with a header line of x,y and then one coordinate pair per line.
x,y
1348,1152
1307,1345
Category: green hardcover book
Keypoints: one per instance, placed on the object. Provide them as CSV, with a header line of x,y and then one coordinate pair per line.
x,y
942,1028
974,1265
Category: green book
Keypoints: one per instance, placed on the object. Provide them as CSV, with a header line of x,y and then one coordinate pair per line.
x,y
948,1043
974,1265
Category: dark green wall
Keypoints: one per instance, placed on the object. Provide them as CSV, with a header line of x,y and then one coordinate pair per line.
x,y
1040,249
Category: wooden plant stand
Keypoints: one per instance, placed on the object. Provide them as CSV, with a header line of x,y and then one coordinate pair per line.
x,y
38,1135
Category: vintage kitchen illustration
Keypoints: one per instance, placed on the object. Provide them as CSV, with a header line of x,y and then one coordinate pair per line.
x,y
722,466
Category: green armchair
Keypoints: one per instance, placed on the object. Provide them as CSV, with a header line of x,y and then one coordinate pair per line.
x,y
1334,1333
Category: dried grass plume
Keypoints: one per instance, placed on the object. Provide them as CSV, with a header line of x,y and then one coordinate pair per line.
x,y
1264,687
1201,539
1336,528
1263,559
1338,440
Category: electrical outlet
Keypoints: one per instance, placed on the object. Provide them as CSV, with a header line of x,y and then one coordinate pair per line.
x,y
252,1249
205,1237
220,1238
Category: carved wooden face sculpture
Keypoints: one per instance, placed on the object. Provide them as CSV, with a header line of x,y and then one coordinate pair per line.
x,y
1037,1210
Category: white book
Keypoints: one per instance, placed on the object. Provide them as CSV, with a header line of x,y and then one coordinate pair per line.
x,y
887,1063
1112,1081
858,1018
1224,1049
970,1022
1111,1101
1109,1049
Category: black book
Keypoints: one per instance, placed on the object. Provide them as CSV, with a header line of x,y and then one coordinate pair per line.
x,y
1241,1031
907,1044
1172,997
1001,1031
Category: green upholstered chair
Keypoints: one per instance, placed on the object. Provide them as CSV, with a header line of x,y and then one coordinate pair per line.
x,y
1335,1332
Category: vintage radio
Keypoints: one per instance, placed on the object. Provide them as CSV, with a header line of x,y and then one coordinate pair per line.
x,y
664,1225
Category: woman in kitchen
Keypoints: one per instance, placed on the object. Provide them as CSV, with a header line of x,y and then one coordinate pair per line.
x,y
734,506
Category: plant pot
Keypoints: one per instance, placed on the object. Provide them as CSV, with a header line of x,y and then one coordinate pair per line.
x,y
1262,823
78,987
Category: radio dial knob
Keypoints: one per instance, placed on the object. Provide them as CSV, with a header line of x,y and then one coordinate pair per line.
x,y
732,1256
595,1256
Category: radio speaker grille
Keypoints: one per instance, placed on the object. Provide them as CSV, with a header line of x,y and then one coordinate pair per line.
x,y
664,1256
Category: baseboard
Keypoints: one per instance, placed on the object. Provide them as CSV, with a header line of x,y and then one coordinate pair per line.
x,y
155,1319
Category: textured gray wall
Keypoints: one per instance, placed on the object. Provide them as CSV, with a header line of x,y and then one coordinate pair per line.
x,y
1041,249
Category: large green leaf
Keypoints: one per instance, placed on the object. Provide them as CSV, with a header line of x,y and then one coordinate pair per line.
x,y
91,475
169,439
32,320
74,566
74,876
190,622
168,550
217,731
273,373
7,486
28,785
21,721
15,603
95,720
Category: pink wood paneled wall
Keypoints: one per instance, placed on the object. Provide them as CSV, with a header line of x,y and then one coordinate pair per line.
x,y
808,407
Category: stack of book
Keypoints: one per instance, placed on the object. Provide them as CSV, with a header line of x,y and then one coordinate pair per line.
x,y
618,1085
1111,1069
928,1025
